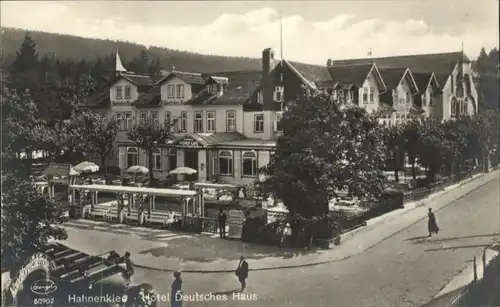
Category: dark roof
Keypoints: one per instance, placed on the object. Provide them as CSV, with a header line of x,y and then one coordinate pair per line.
x,y
313,73
137,79
209,139
439,63
392,76
57,169
239,90
350,74
188,77
422,80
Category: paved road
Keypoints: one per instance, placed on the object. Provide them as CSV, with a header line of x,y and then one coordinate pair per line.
x,y
407,269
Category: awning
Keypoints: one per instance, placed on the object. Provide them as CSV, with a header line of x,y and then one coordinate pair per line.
x,y
203,140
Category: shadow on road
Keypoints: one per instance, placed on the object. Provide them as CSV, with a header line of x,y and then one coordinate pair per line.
x,y
456,247
421,239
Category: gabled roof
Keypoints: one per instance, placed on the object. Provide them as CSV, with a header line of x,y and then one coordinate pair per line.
x,y
439,63
298,73
423,80
188,77
313,73
217,79
393,76
353,75
137,79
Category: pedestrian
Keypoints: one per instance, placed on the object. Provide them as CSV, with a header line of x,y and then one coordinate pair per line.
x,y
242,273
287,232
176,292
432,224
222,218
128,265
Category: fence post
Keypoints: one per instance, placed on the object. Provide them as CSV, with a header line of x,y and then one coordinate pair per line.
x,y
484,262
475,269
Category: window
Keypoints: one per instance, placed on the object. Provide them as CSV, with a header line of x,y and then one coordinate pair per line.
x,y
184,121
132,156
157,159
143,117
155,117
168,120
424,100
198,122
365,95
278,93
225,163
128,121
172,159
119,120
180,90
372,92
453,107
402,101
231,121
260,98
127,92
210,121
258,123
212,88
408,98
249,159
277,126
170,91
430,101
118,92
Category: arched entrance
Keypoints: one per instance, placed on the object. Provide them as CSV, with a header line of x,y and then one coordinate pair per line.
x,y
36,268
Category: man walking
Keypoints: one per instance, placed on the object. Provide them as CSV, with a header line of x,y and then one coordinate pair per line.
x,y
242,273
221,218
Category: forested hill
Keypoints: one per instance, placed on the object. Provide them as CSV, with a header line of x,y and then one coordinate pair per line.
x,y
73,48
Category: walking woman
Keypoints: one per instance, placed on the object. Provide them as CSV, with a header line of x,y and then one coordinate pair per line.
x,y
432,225
176,291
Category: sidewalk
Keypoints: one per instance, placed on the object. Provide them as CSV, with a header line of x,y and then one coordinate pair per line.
x,y
452,291
377,230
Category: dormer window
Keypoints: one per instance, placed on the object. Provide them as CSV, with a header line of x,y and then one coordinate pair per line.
x,y
408,98
278,93
260,98
424,100
212,88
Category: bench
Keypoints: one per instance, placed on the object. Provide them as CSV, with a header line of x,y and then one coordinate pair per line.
x,y
112,214
160,217
132,216
98,211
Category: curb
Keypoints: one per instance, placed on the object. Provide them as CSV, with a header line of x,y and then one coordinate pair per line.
x,y
465,274
411,207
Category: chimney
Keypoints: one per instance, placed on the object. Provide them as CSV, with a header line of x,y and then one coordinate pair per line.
x,y
268,64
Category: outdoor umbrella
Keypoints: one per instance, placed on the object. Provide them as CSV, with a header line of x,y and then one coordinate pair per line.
x,y
138,170
183,171
86,167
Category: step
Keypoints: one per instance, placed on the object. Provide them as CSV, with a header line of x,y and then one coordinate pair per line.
x,y
90,262
75,257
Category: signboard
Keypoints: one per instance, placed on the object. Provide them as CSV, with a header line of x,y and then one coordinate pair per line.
x,y
189,142
36,262
236,219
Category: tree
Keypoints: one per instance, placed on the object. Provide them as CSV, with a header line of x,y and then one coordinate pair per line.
x,y
148,135
326,146
24,71
393,144
100,134
487,78
22,131
411,143
29,219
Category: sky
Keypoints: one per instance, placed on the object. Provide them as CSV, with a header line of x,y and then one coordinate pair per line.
x,y
312,31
